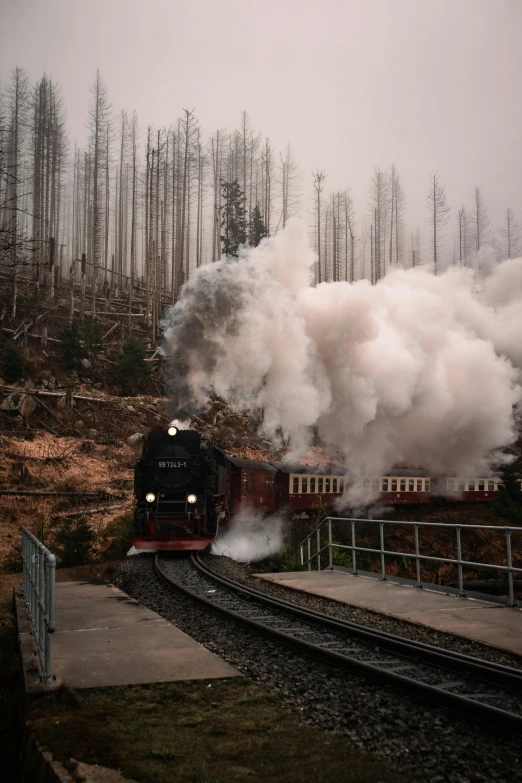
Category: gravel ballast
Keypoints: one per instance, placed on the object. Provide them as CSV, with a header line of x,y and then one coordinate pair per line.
x,y
439,747
245,574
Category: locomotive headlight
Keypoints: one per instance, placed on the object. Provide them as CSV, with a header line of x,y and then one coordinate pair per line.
x,y
191,498
172,431
150,497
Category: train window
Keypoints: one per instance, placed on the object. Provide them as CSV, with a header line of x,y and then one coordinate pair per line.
x,y
296,485
320,484
481,485
462,486
267,482
366,483
419,485
376,485
394,485
312,484
491,486
304,484
272,483
403,485
472,486
411,485
327,484
253,481
341,485
451,485
385,485
427,485
334,485
245,481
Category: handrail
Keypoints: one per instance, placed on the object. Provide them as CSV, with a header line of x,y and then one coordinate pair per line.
x,y
315,548
38,579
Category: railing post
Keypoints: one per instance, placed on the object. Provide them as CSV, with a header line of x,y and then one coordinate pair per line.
x,y
383,564
459,562
308,541
318,541
38,580
511,597
302,554
330,552
354,555
417,560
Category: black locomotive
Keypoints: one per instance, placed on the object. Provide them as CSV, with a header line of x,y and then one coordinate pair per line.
x,y
180,484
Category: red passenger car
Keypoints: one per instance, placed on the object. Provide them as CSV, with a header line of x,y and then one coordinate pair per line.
x,y
252,485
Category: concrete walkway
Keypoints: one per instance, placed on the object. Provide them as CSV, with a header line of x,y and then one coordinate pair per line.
x,y
482,621
103,637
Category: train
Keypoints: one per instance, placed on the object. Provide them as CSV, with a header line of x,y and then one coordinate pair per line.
x,y
186,489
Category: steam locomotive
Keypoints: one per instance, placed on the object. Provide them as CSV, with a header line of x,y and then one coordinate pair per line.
x,y
185,489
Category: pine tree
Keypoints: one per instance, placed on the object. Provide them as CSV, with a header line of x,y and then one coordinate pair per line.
x,y
257,227
233,222
12,365
132,367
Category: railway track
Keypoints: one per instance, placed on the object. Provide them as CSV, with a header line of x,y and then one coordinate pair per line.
x,y
480,691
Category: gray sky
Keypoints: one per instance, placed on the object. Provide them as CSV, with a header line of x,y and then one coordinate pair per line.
x,y
432,85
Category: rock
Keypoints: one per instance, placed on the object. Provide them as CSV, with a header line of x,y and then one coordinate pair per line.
x,y
45,382
79,425
45,374
29,383
92,434
61,403
52,383
23,404
75,377
136,439
86,364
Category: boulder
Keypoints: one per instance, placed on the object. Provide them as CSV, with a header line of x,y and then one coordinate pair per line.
x,y
24,404
86,364
136,439
91,434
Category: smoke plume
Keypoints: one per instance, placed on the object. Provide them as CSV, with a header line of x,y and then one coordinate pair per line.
x,y
250,537
417,369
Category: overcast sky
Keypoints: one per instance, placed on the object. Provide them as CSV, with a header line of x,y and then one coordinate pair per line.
x,y
432,85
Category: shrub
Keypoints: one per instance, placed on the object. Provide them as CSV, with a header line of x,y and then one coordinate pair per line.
x,y
132,367
75,543
117,535
12,365
72,349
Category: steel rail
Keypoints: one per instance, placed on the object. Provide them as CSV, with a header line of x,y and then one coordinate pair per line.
x,y
416,651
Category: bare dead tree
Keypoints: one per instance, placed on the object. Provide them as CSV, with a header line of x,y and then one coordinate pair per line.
x,y
511,235
438,217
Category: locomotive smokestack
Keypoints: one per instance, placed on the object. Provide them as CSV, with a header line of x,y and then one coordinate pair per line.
x,y
417,368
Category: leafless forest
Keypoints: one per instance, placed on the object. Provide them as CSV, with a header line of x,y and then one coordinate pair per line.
x,y
133,214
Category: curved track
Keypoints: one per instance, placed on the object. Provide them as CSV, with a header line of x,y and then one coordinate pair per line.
x,y
481,691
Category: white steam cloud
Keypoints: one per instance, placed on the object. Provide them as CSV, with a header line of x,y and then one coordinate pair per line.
x,y
417,369
250,537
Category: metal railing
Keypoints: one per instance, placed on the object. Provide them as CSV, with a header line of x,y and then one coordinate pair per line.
x,y
39,566
315,549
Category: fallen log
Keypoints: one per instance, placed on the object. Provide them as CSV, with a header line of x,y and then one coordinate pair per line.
x,y
85,511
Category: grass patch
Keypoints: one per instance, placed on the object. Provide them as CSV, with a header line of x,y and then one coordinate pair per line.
x,y
226,730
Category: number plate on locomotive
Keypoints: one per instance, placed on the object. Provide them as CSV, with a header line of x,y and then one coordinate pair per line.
x,y
173,464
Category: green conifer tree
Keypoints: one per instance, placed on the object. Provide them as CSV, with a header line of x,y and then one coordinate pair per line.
x,y
12,365
257,227
233,220
132,367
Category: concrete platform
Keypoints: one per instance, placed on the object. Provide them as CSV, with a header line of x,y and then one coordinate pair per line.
x,y
103,638
482,621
